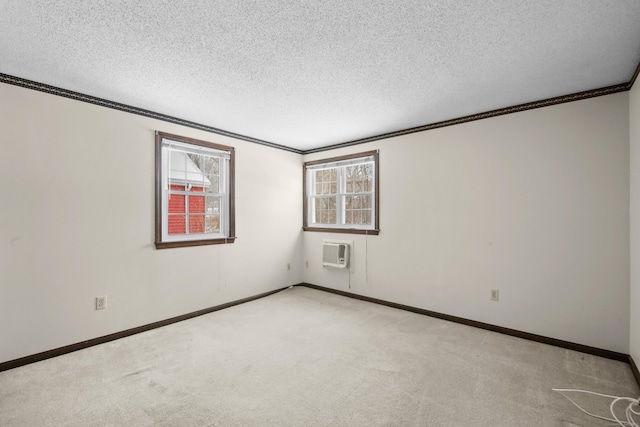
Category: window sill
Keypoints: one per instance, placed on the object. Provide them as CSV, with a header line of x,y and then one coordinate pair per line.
x,y
186,243
373,232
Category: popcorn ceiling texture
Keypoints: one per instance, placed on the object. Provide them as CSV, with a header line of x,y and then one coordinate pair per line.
x,y
307,74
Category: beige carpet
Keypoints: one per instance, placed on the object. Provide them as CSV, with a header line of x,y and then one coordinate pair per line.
x,y
304,357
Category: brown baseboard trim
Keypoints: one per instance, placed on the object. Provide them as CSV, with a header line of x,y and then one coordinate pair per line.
x,y
621,357
634,369
117,335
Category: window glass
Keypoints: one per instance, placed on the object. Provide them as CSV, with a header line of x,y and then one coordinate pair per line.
x,y
341,193
194,192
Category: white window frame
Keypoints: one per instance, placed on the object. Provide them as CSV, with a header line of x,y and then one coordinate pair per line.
x,y
340,163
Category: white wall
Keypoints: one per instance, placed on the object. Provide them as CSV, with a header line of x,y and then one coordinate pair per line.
x,y
535,204
634,138
77,221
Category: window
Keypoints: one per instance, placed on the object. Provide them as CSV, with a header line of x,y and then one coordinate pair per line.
x,y
341,194
194,192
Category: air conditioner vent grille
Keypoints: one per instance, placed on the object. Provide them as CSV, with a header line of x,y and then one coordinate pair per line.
x,y
335,254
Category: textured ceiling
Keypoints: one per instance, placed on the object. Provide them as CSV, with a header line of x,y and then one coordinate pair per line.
x,y
309,74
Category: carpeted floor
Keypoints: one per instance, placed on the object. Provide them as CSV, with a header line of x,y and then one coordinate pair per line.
x,y
304,357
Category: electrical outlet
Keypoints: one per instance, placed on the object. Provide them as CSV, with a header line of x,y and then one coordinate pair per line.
x,y
495,295
101,303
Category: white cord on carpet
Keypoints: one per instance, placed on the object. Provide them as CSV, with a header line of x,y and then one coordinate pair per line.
x,y
629,411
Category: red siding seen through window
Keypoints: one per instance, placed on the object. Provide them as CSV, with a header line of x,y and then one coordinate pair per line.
x,y
177,213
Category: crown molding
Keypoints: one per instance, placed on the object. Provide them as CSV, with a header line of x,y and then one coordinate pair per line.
x,y
53,90
634,77
41,87
480,116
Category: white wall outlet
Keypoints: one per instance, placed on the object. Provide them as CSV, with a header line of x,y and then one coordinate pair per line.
x,y
495,295
101,303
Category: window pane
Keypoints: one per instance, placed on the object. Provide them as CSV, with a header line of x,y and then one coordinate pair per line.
x,y
195,174
203,174
325,210
210,166
319,176
214,184
357,217
318,209
194,158
177,224
368,185
348,217
212,204
176,203
212,171
196,205
212,224
366,217
177,168
196,224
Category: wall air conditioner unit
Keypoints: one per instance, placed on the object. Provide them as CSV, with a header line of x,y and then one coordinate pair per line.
x,y
335,254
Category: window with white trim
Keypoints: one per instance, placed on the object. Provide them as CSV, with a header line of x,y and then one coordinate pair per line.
x,y
194,192
341,194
